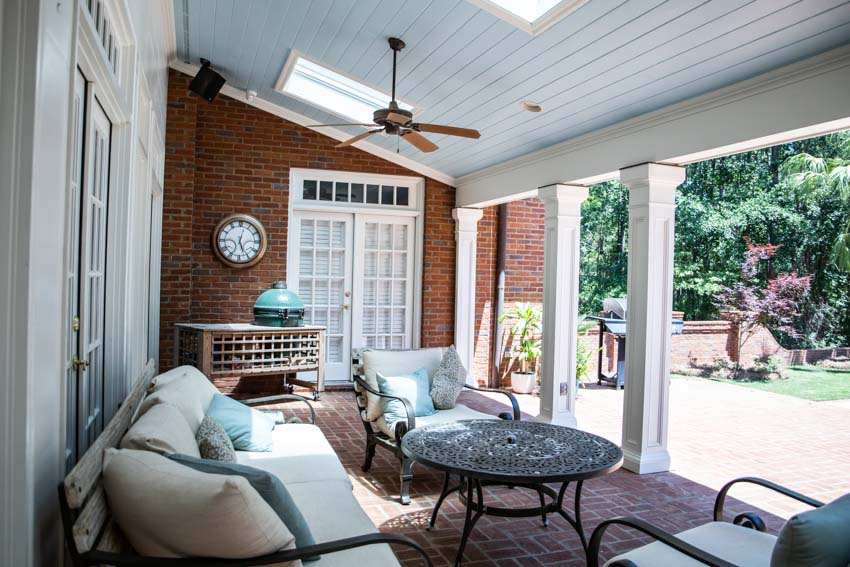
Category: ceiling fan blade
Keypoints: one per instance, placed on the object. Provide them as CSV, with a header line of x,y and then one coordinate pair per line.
x,y
397,118
357,138
448,130
422,143
341,124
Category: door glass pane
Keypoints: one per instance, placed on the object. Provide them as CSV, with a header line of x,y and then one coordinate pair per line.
x,y
341,194
309,193
357,193
326,191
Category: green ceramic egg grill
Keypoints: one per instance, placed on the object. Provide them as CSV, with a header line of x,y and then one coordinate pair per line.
x,y
279,307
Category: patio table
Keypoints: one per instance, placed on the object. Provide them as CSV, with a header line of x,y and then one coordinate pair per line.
x,y
521,454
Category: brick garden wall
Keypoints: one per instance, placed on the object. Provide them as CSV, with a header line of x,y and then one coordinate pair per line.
x,y
228,157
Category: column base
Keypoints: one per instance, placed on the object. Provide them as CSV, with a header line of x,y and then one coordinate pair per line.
x,y
564,419
647,463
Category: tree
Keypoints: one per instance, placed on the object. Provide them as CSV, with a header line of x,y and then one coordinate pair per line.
x,y
774,307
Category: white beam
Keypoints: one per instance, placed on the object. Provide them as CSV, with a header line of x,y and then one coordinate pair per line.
x,y
805,99
652,208
466,236
561,252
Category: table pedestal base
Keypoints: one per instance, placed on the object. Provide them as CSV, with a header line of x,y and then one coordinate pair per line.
x,y
471,493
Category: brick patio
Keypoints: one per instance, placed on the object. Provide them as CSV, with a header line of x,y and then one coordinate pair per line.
x,y
717,432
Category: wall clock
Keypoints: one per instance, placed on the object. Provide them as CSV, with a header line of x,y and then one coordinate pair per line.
x,y
239,241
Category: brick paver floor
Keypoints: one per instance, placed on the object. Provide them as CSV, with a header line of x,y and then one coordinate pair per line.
x,y
717,432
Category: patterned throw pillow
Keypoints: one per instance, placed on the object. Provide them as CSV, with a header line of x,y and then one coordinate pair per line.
x,y
213,442
448,380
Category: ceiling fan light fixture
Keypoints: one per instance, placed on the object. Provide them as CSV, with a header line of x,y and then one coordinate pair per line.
x,y
531,106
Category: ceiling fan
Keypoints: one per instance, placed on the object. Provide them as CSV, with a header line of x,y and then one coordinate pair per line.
x,y
395,120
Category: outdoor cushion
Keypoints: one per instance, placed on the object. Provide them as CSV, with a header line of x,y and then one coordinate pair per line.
x,y
201,385
185,394
168,510
300,453
457,413
268,486
819,537
213,442
448,380
162,429
413,387
249,429
392,362
333,513
736,544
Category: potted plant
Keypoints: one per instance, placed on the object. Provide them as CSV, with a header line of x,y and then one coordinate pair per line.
x,y
525,335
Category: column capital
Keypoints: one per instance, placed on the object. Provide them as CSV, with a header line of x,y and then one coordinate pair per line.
x,y
660,181
467,219
561,199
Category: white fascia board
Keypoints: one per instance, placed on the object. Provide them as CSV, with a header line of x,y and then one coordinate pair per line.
x,y
801,100
278,110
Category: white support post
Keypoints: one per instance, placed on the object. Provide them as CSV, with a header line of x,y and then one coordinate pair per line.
x,y
561,251
466,236
652,208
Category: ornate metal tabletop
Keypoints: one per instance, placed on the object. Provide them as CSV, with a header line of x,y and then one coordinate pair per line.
x,y
512,451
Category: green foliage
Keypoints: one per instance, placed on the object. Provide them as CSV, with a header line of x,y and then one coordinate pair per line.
x,y
723,200
525,333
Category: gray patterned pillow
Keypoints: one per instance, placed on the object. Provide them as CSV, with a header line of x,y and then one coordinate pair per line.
x,y
214,443
448,380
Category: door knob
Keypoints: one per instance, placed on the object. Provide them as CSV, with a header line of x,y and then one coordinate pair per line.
x,y
346,306
77,363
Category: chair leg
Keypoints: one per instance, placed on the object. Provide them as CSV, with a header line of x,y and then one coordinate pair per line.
x,y
370,453
406,478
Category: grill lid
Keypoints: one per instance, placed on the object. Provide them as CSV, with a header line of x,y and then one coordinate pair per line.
x,y
615,307
277,299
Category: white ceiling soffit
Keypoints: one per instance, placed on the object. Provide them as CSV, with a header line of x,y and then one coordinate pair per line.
x,y
272,108
538,26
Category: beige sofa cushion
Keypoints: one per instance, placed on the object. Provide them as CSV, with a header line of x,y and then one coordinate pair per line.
x,y
392,363
203,386
187,389
457,413
161,429
735,544
169,510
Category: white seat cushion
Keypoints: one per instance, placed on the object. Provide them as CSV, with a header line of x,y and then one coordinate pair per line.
x,y
300,454
187,389
394,363
162,429
333,513
457,413
736,544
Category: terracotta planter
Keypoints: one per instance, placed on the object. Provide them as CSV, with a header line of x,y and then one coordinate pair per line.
x,y
523,382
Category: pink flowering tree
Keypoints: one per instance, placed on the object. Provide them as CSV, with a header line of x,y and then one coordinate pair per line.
x,y
774,307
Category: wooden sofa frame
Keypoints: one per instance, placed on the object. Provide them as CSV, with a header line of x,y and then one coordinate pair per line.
x,y
377,438
93,538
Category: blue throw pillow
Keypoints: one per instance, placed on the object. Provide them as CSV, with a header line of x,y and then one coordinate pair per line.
x,y
415,387
249,429
270,489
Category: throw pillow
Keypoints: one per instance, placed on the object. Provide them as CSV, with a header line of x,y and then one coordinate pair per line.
x,y
163,429
185,396
392,363
815,538
413,387
168,510
213,442
448,380
248,429
268,486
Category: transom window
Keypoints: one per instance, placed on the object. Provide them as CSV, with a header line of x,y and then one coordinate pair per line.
x,y
532,16
330,90
314,190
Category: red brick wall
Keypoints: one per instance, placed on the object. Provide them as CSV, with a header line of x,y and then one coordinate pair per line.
x,y
228,157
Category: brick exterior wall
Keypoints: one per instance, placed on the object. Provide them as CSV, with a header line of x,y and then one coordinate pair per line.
x,y
228,157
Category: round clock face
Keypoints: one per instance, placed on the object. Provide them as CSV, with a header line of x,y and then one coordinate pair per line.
x,y
239,241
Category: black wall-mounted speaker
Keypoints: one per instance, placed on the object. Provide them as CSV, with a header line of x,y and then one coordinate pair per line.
x,y
207,82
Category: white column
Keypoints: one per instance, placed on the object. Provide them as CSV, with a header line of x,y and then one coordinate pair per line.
x,y
561,251
652,207
466,236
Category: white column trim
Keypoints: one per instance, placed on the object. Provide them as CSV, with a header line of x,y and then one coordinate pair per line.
x,y
561,254
652,209
466,237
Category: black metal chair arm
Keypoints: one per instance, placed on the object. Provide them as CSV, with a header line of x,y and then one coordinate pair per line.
x,y
270,399
514,404
128,560
656,533
720,501
408,407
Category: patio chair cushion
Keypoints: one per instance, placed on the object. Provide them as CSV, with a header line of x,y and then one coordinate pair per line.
x,y
413,387
162,429
448,380
300,453
457,413
201,384
394,362
818,537
183,393
168,510
248,429
213,442
736,544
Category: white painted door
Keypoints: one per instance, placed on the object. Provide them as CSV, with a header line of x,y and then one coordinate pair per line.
x,y
382,315
320,273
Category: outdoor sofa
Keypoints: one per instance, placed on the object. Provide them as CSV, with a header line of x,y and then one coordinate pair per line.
x,y
301,458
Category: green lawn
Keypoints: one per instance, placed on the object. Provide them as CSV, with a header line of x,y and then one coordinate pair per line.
x,y
806,382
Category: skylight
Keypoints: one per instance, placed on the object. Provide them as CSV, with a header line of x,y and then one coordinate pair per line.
x,y
532,16
332,91
528,10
